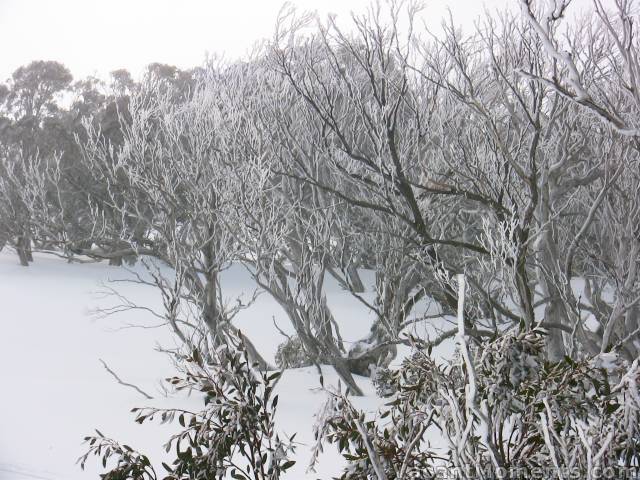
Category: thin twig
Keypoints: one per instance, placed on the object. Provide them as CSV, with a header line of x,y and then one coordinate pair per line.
x,y
146,395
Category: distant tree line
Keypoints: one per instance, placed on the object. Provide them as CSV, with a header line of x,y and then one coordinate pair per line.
x,y
42,110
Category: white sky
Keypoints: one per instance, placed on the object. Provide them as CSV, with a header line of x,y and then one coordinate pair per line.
x,y
97,36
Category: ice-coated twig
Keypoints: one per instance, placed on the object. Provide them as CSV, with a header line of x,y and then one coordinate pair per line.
x,y
115,375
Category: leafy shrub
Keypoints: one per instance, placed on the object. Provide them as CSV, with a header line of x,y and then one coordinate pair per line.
x,y
291,354
130,464
383,379
501,410
234,434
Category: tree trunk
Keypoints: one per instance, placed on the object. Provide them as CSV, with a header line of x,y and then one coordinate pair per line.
x,y
115,261
553,314
341,366
548,259
24,251
371,352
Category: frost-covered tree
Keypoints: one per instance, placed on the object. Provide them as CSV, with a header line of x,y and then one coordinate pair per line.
x,y
30,110
483,169
169,189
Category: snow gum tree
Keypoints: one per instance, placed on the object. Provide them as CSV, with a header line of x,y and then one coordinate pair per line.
x,y
171,187
483,169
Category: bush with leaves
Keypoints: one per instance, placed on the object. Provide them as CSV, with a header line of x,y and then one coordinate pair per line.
x,y
383,379
502,410
291,354
234,434
130,463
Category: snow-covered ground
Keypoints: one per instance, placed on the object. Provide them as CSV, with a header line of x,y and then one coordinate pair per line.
x,y
54,390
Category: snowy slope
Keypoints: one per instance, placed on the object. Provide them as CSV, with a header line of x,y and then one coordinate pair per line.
x,y
54,390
